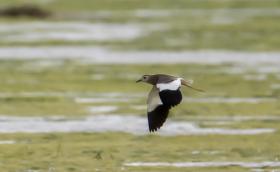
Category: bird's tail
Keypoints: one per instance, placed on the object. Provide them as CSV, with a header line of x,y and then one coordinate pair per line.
x,y
189,83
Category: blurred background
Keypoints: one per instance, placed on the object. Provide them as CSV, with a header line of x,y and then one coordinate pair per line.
x,y
69,101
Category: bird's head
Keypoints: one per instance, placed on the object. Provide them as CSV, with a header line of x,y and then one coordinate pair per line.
x,y
144,78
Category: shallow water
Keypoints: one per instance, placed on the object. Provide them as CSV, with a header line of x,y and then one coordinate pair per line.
x,y
98,77
102,99
113,123
229,100
7,142
255,77
205,164
102,109
233,15
109,97
196,152
235,118
72,31
70,94
105,56
275,86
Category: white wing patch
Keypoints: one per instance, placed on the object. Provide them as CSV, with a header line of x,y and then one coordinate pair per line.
x,y
173,85
153,99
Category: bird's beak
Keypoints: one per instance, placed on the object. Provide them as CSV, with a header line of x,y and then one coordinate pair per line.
x,y
139,80
188,83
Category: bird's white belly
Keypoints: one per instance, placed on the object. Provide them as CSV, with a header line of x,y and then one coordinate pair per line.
x,y
174,85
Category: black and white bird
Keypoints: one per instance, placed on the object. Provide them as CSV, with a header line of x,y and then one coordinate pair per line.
x,y
164,95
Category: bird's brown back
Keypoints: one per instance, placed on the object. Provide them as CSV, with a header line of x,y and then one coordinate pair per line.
x,y
161,78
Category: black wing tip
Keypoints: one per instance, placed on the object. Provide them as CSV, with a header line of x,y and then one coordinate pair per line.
x,y
152,130
157,117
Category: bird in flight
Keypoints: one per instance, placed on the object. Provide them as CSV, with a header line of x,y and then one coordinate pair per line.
x,y
164,95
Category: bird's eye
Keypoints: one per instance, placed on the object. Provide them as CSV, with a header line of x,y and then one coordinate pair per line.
x,y
144,77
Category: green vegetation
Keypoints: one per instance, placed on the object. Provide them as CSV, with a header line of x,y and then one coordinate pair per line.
x,y
91,152
185,25
52,90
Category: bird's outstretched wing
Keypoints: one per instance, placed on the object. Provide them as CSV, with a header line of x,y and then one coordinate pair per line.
x,y
169,92
157,111
161,98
